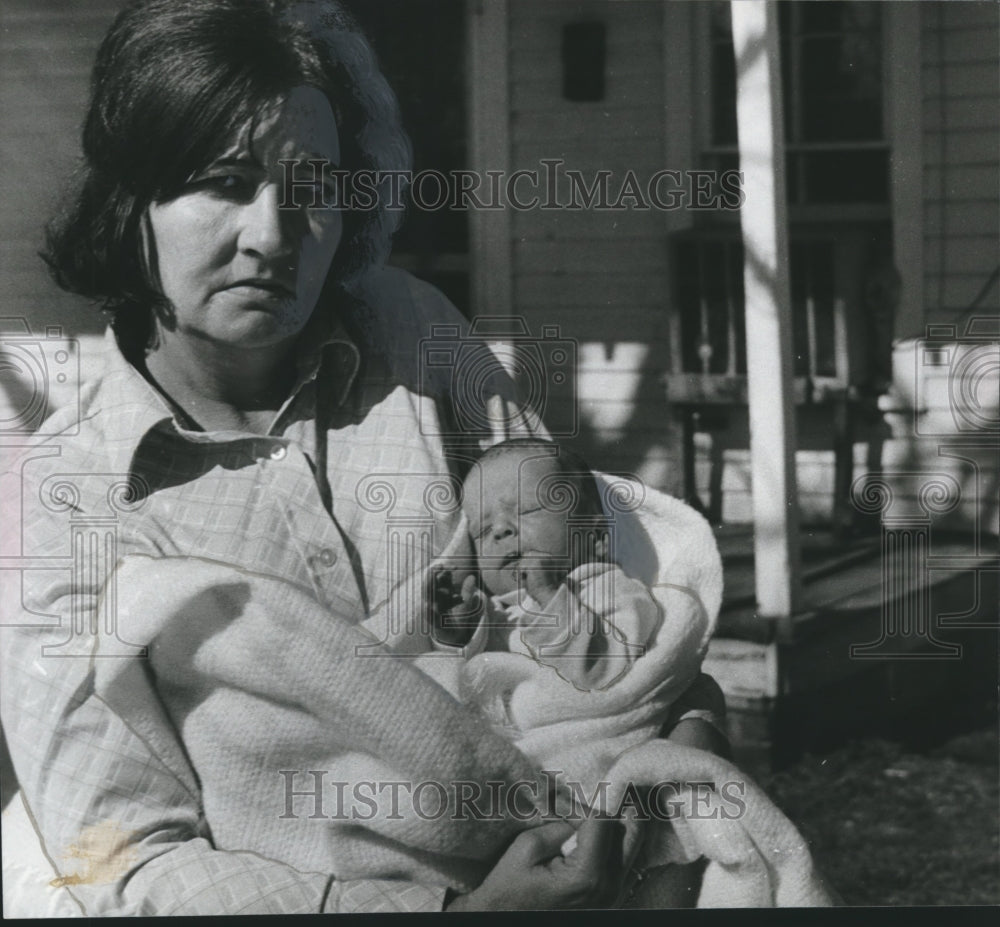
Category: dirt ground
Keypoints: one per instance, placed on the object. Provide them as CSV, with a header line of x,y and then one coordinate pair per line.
x,y
892,826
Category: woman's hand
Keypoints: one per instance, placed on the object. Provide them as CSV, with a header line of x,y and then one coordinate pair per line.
x,y
534,875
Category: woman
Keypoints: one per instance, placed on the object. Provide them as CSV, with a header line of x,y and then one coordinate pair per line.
x,y
261,366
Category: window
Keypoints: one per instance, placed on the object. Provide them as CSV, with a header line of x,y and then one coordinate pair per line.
x,y
420,45
831,64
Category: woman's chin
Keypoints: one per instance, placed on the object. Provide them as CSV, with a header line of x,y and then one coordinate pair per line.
x,y
256,325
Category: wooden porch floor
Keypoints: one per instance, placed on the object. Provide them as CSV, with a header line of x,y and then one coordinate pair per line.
x,y
812,686
844,579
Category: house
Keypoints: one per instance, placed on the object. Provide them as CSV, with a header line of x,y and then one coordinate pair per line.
x,y
890,220
610,128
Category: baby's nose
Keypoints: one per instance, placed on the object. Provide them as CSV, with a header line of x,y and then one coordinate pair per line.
x,y
503,528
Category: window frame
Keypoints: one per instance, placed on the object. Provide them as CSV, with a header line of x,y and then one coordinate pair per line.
x,y
798,209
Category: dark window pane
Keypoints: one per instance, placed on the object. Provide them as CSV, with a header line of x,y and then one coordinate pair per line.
x,y
454,284
722,161
688,296
723,75
709,288
812,284
793,179
828,16
716,293
583,54
822,293
862,17
721,21
845,176
736,289
798,272
431,93
724,95
784,17
840,90
831,69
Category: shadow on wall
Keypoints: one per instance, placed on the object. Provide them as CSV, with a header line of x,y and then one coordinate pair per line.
x,y
944,411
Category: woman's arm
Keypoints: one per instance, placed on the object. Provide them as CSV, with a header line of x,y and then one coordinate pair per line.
x,y
696,732
119,810
698,718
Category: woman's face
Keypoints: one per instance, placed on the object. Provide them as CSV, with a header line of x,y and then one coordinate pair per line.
x,y
236,266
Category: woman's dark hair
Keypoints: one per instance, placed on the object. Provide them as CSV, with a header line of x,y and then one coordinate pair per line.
x,y
174,83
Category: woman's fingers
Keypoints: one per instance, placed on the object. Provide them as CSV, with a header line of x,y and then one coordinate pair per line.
x,y
540,844
599,842
598,858
533,874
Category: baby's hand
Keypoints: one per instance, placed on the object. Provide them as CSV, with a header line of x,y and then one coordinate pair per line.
x,y
457,612
539,577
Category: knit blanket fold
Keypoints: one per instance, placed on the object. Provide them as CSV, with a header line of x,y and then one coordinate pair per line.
x,y
261,685
756,856
249,681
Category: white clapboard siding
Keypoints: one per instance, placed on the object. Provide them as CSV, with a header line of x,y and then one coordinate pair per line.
x,y
978,219
963,254
600,276
568,226
961,155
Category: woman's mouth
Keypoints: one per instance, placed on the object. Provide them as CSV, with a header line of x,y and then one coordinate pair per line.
x,y
258,287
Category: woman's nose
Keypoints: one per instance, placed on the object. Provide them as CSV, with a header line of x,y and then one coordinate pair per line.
x,y
268,228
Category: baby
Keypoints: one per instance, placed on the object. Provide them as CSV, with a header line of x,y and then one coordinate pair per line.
x,y
542,544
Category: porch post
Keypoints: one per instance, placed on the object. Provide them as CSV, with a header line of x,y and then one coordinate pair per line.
x,y
764,222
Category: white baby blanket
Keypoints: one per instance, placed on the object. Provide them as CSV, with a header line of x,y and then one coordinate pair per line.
x,y
239,655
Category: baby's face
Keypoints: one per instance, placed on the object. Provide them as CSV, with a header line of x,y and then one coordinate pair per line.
x,y
509,522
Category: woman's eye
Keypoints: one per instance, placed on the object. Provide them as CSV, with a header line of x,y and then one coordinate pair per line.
x,y
229,185
233,183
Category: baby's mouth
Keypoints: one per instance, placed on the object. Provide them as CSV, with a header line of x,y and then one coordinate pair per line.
x,y
510,558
